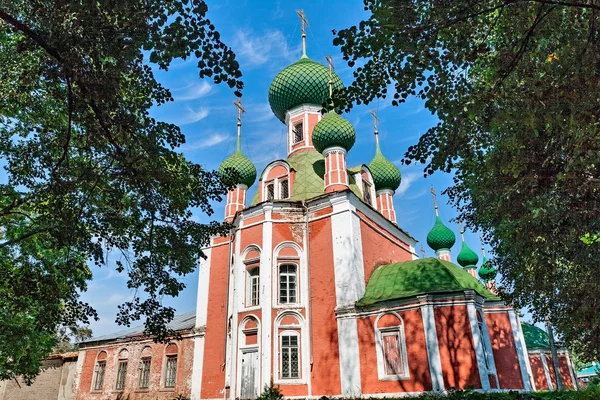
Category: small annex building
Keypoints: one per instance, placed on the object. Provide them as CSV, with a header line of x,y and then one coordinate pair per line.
x,y
127,365
542,363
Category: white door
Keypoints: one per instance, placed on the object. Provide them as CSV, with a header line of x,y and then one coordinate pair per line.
x,y
250,374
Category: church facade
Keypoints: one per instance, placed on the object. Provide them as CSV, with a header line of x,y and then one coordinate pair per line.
x,y
318,289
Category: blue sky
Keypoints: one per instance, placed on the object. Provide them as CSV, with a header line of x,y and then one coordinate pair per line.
x,y
265,35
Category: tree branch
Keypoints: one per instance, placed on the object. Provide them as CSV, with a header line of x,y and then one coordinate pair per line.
x,y
22,237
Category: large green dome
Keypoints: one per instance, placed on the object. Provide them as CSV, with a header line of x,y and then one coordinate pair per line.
x,y
487,272
417,277
467,258
440,237
240,165
304,82
333,131
385,174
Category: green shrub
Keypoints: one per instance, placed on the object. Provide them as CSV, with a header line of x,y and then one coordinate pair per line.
x,y
271,392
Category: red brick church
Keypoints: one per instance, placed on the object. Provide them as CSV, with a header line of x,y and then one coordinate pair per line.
x,y
317,287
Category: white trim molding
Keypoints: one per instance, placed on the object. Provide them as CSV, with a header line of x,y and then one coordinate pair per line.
x,y
433,347
521,350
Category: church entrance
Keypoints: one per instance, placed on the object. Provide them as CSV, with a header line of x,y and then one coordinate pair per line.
x,y
250,388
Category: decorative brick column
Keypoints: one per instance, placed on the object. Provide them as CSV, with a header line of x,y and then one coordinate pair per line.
x,y
236,198
385,204
336,176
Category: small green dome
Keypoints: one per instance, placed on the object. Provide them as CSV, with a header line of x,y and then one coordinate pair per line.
x,y
487,272
333,131
385,174
440,237
304,82
241,165
467,258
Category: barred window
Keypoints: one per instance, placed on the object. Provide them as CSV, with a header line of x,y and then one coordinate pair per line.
x,y
253,288
287,284
121,374
99,375
298,133
366,192
144,381
290,357
171,373
284,189
270,191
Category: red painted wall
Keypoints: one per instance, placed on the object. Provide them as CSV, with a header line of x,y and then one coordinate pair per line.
x,y
457,352
325,374
564,372
505,350
418,364
537,369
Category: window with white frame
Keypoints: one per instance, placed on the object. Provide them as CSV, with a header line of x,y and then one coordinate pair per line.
x,y
99,375
288,284
298,132
144,373
253,287
391,350
290,355
171,371
121,375
270,190
284,189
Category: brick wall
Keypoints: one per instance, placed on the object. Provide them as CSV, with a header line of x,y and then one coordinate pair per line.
x,y
54,382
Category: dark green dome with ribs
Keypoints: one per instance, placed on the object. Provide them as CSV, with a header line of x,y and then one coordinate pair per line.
x,y
240,166
440,237
304,82
333,131
467,258
385,174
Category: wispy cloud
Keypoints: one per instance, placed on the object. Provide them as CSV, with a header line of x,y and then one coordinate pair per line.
x,y
193,91
259,113
278,12
193,116
407,180
205,143
256,49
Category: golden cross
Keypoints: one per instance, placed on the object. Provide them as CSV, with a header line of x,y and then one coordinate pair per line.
x,y
330,62
304,23
434,201
375,120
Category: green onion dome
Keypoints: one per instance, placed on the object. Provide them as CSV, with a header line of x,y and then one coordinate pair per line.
x,y
385,174
487,272
467,258
333,131
241,167
440,237
304,82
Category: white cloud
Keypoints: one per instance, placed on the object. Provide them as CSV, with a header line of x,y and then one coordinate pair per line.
x,y
193,91
258,49
205,143
259,113
193,116
407,180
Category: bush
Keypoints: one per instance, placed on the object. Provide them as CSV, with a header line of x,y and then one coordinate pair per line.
x,y
271,392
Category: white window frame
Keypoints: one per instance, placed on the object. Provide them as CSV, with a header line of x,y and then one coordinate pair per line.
x,y
281,182
141,372
252,274
170,357
290,380
267,186
379,333
294,131
120,363
95,386
297,281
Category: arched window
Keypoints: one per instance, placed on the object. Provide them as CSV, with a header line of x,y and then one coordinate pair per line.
x,y
288,284
170,365
122,370
289,349
99,371
144,368
253,287
392,363
270,189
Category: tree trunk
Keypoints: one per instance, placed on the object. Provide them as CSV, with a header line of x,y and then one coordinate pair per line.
x,y
559,383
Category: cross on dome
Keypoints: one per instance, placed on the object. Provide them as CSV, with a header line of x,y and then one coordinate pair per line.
x,y
435,206
375,121
330,63
304,23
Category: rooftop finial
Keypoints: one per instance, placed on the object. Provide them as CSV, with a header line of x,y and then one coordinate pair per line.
x,y
422,252
240,111
375,121
462,232
482,248
330,62
435,206
304,23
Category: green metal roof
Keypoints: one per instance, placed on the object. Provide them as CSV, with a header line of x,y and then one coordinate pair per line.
x,y
385,174
309,167
417,277
440,237
333,131
304,82
535,338
467,258
240,165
